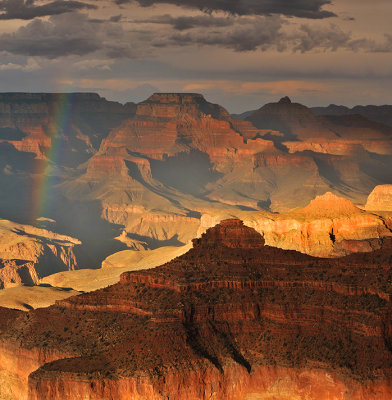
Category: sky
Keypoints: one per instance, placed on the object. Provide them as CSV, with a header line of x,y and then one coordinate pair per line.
x,y
238,53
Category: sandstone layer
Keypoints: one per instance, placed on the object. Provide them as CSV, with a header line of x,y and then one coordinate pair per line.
x,y
231,319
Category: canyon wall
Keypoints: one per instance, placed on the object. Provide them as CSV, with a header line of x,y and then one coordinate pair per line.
x,y
232,318
329,226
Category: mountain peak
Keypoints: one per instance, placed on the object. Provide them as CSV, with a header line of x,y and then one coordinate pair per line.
x,y
230,233
285,100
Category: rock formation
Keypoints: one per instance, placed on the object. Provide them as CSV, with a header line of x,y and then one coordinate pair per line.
x,y
380,199
295,120
14,272
299,122
28,253
181,155
329,226
231,319
141,176
31,121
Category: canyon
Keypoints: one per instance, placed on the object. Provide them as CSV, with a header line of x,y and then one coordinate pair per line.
x,y
176,155
168,249
180,157
233,318
154,175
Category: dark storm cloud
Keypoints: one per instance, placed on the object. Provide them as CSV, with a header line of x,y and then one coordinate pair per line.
x,y
293,8
27,9
260,33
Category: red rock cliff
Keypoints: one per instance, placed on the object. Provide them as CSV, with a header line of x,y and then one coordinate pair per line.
x,y
231,319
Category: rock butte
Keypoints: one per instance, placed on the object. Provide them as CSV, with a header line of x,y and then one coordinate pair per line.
x,y
232,319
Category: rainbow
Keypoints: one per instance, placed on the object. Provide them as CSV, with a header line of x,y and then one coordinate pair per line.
x,y
60,113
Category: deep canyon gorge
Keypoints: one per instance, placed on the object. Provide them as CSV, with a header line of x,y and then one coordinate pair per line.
x,y
269,235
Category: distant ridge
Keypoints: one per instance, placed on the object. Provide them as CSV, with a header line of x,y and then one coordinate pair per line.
x,y
381,114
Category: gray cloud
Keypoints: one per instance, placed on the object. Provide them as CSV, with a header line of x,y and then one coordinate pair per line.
x,y
331,38
263,33
76,34
334,38
54,38
183,23
293,8
266,33
384,47
67,34
26,9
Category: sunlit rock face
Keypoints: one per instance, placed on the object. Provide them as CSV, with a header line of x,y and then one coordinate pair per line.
x,y
380,199
232,318
329,226
28,253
